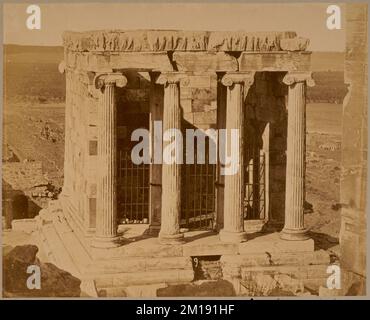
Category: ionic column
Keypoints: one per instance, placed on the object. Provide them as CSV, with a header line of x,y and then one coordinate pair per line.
x,y
238,84
295,167
171,173
106,201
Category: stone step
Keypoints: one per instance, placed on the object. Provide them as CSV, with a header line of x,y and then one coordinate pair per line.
x,y
319,257
142,248
105,271
143,278
301,272
311,276
61,242
69,239
56,251
141,264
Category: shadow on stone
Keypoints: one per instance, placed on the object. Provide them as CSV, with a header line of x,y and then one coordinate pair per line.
x,y
323,241
307,207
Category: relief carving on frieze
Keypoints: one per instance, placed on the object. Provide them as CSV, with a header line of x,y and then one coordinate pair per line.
x,y
161,40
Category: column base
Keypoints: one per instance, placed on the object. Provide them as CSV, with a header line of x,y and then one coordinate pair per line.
x,y
233,237
294,234
106,242
171,238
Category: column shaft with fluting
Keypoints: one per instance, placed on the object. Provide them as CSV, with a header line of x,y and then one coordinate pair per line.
x,y
171,172
237,85
294,228
106,220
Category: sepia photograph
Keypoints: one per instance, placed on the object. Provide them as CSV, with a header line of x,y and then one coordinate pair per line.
x,y
184,150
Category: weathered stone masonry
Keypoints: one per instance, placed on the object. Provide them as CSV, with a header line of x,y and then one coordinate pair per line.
x,y
354,150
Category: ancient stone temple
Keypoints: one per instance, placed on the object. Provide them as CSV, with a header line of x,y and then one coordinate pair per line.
x,y
121,224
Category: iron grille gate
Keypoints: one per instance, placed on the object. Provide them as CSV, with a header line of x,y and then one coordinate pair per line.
x,y
132,189
198,195
198,191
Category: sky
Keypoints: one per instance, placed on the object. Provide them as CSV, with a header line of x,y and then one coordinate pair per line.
x,y
307,19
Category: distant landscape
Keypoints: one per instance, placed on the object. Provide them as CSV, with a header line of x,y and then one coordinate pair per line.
x,y
31,73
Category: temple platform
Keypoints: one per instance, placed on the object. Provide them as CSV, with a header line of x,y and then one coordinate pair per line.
x,y
141,260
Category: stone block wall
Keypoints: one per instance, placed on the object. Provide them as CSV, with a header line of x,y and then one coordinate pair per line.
x,y
198,101
80,134
354,143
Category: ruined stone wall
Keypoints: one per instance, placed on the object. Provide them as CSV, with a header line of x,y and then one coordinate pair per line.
x,y
23,175
354,143
24,190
